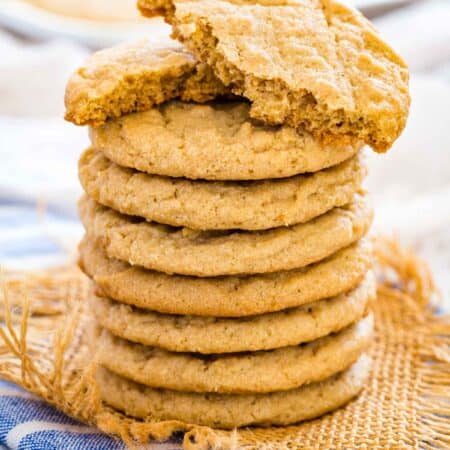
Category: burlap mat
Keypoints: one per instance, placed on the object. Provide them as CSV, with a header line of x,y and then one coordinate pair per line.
x,y
406,403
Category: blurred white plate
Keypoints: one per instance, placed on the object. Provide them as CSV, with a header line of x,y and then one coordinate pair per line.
x,y
37,23
373,7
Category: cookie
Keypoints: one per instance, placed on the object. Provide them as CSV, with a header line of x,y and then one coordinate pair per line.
x,y
175,139
234,410
248,372
226,296
209,205
214,253
208,335
152,8
316,64
135,77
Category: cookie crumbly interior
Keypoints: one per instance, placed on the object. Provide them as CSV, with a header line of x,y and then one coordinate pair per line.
x,y
135,77
156,8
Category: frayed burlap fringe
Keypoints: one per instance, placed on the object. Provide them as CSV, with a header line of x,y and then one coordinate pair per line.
x,y
406,403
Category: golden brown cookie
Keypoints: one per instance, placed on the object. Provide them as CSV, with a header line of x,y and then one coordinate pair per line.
x,y
226,335
234,410
316,64
151,8
213,141
135,77
226,296
239,373
219,205
215,253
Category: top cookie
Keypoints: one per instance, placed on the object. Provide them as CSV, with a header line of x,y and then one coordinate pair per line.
x,y
175,139
135,77
316,64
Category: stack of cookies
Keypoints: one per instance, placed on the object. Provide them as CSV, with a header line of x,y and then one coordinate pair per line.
x,y
224,211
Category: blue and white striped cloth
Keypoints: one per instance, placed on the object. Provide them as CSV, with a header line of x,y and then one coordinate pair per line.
x,y
28,423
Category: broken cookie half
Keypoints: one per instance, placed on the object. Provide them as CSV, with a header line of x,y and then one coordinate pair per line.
x,y
313,64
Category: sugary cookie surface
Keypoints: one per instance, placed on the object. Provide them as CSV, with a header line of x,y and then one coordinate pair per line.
x,y
194,334
226,296
174,139
220,205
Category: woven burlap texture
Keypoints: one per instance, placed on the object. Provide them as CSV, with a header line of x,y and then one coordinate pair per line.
x,y
406,403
